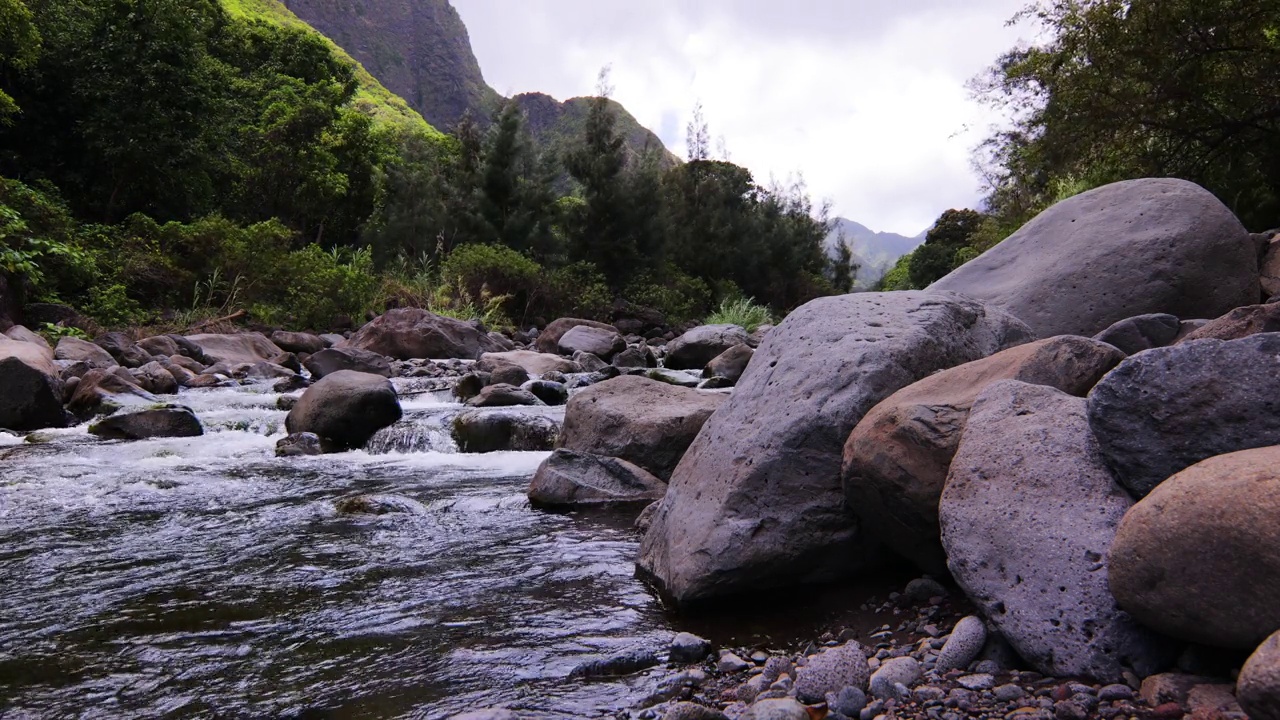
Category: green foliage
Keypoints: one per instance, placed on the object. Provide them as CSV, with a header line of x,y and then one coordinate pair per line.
x,y
478,273
677,296
947,245
324,285
741,311
899,276
54,332
1123,89
576,290
19,48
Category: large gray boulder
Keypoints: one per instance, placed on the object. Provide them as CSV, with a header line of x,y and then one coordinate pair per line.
x,y
410,333
694,349
345,409
76,350
1028,516
1258,688
22,334
896,459
757,501
30,387
1166,409
730,364
1199,558
549,339
236,348
573,479
642,421
604,344
1126,249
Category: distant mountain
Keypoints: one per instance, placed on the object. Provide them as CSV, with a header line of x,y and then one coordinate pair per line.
x,y
421,51
876,252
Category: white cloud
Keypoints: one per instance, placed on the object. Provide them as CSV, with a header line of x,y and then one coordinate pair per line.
x,y
866,99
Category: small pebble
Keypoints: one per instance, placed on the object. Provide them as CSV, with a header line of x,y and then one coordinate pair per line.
x,y
977,681
1010,692
1115,692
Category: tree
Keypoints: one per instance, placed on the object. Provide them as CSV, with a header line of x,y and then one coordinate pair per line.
x,y
515,196
943,246
697,136
1135,88
597,164
19,49
842,269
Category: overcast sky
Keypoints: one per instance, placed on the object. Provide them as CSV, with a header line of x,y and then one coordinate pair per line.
x,y
866,98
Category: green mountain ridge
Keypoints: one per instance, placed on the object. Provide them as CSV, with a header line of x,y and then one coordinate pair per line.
x,y
372,97
421,51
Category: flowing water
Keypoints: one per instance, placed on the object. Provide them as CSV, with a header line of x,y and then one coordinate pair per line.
x,y
204,577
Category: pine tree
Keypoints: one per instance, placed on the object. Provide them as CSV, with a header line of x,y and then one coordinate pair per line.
x,y
597,165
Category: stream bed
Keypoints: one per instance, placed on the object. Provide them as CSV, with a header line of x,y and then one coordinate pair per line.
x,y
204,577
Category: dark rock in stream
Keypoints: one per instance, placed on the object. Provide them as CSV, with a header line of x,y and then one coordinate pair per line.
x,y
298,444
504,430
166,421
623,663
345,409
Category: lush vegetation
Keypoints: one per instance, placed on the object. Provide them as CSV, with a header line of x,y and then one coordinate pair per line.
x,y
1123,89
175,160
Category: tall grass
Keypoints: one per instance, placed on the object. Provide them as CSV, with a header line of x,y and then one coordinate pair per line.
x,y
741,311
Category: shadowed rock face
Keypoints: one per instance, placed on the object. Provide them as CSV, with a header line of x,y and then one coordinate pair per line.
x,y
1166,409
1135,247
1028,517
896,459
757,501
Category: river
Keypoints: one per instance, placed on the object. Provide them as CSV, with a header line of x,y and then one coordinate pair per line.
x,y
204,577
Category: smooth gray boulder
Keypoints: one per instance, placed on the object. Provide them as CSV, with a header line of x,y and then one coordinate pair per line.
x,y
30,387
757,501
1166,409
604,344
345,409
22,334
570,479
409,333
1126,249
551,393
157,422
1028,517
159,346
236,348
330,360
642,421
77,350
1143,332
486,431
694,349
1199,557
1258,687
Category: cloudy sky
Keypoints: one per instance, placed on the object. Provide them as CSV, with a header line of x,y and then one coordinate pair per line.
x,y
865,98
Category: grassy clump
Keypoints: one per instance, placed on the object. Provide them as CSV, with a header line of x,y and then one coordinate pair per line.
x,y
743,312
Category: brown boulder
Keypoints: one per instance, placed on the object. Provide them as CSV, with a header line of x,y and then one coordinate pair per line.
x,y
896,459
534,363
75,349
1258,687
30,388
103,390
22,334
413,333
643,421
234,349
549,338
1199,557
1239,323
